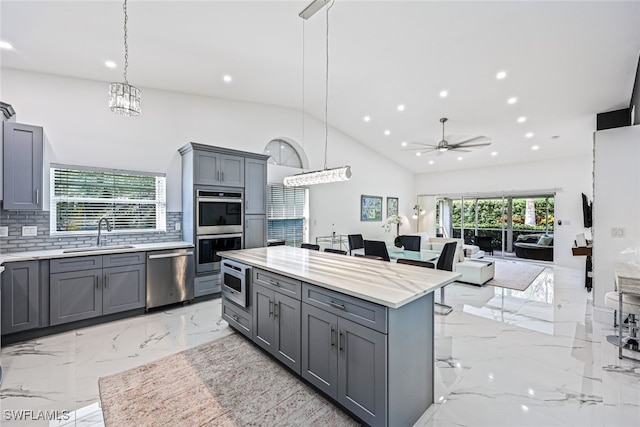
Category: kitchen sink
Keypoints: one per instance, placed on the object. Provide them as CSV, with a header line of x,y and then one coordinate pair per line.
x,y
97,248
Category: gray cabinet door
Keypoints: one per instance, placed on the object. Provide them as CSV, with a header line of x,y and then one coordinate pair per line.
x,y
264,328
362,372
232,168
286,315
20,301
206,168
255,187
75,295
255,231
22,166
319,363
124,288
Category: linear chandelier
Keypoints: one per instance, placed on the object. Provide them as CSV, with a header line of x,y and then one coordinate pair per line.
x,y
124,99
326,175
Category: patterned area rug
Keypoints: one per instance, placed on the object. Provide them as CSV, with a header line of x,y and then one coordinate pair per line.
x,y
227,382
513,275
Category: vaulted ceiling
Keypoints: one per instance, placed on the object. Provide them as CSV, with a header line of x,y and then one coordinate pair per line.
x,y
564,63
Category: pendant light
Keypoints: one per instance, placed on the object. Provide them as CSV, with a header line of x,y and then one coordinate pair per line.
x,y
325,175
124,99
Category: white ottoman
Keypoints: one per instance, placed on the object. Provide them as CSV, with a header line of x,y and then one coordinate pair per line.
x,y
475,271
630,303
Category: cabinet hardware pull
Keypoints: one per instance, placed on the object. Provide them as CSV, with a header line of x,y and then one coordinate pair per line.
x,y
106,280
222,175
236,318
274,283
336,305
276,309
333,344
341,341
270,308
37,196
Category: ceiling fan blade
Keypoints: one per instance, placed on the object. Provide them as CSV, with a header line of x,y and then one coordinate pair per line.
x,y
466,141
459,150
484,144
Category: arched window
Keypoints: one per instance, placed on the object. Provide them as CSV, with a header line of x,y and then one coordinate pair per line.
x,y
283,153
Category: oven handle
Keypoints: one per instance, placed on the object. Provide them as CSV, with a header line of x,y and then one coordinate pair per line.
x,y
219,236
170,255
220,199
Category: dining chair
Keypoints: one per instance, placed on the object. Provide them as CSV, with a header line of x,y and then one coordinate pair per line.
x,y
376,248
379,258
410,243
310,246
416,262
484,243
335,251
355,242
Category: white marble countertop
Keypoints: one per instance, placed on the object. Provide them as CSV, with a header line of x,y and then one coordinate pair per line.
x,y
58,253
386,283
627,277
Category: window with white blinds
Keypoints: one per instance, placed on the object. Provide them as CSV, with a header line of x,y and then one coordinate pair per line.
x,y
131,201
287,214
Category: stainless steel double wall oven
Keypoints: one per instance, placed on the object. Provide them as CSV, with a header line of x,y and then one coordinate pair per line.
x,y
219,225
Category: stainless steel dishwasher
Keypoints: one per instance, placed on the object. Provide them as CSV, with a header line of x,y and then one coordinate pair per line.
x,y
169,276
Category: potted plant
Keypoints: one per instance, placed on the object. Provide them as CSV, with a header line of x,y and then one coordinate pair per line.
x,y
388,226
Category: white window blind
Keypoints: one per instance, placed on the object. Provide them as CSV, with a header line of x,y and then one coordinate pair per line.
x,y
286,213
132,201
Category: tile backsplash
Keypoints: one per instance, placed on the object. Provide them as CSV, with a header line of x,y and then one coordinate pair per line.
x,y
15,242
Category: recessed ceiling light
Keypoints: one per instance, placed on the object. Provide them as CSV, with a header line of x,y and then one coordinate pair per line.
x,y
501,75
528,135
460,158
110,64
227,78
387,132
535,147
512,100
522,119
404,143
418,154
494,153
443,94
5,45
367,118
400,107
430,162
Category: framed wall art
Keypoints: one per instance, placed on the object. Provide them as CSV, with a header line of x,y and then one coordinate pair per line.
x,y
370,208
392,206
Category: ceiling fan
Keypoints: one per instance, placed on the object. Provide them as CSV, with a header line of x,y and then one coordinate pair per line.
x,y
444,145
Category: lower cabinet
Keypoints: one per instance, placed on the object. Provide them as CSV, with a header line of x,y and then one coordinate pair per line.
x,y
347,361
78,292
238,317
20,297
276,325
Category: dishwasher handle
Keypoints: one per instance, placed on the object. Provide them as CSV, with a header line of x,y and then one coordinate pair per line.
x,y
170,255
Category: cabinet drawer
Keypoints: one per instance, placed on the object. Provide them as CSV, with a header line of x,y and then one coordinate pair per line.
x,y
365,313
62,265
278,283
206,285
236,317
116,260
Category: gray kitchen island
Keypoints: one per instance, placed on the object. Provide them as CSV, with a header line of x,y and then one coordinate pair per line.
x,y
359,330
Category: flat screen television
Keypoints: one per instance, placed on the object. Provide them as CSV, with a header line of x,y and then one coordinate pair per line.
x,y
587,211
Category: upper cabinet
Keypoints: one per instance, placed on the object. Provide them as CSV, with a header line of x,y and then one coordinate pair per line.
x,y
255,190
218,169
23,162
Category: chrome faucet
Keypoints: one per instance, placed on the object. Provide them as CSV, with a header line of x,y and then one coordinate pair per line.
x,y
109,228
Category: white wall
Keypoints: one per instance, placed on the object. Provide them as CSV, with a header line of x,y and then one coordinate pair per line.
x,y
616,204
572,176
82,131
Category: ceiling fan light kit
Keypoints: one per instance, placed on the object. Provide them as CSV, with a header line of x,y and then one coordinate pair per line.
x,y
324,176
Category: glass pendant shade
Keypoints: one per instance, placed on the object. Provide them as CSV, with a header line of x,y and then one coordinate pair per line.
x,y
124,99
319,177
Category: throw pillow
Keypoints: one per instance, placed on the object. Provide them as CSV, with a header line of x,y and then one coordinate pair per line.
x,y
545,240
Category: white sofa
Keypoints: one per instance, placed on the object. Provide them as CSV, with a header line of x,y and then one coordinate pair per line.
x,y
474,271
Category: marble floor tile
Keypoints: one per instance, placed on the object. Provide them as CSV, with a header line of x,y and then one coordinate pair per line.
x,y
503,358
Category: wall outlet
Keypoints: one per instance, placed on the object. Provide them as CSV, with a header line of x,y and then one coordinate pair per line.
x,y
29,230
4,231
176,226
617,232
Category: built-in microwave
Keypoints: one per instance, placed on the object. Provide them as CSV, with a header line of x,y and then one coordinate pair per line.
x,y
235,282
218,212
208,248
